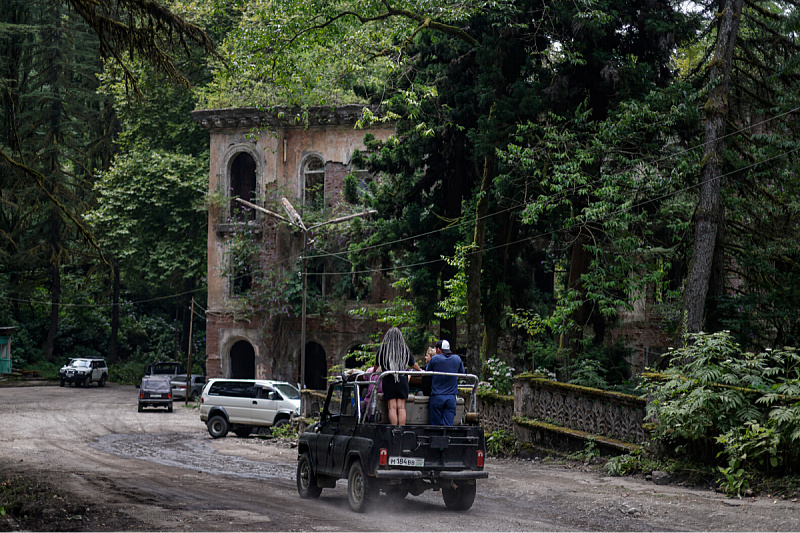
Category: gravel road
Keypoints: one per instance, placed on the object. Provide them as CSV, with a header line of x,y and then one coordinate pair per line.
x,y
162,471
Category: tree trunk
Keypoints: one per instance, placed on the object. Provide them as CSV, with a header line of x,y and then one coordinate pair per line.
x,y
448,327
499,298
708,215
55,302
570,343
474,266
112,352
54,175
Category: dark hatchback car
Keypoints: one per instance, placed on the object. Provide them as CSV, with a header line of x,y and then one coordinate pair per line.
x,y
155,392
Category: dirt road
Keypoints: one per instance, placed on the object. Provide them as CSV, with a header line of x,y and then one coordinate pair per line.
x,y
161,471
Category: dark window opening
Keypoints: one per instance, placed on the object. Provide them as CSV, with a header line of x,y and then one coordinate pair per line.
x,y
314,183
243,185
242,280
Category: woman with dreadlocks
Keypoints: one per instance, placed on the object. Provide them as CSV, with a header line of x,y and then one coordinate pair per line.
x,y
394,354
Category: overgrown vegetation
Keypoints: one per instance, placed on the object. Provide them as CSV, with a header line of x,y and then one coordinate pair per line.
x,y
737,410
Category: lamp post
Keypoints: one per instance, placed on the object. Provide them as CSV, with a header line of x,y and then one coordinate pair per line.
x,y
295,220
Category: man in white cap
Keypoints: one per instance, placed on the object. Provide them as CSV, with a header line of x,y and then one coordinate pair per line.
x,y
444,389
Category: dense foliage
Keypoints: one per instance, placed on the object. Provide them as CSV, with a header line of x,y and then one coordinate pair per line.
x,y
740,407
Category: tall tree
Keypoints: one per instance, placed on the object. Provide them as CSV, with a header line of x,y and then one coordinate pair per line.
x,y
709,217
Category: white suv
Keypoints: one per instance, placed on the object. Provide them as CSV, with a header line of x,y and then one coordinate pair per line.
x,y
242,405
82,371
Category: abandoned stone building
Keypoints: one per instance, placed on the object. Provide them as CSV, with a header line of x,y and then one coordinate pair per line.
x,y
255,153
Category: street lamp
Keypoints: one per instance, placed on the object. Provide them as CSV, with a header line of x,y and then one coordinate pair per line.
x,y
295,220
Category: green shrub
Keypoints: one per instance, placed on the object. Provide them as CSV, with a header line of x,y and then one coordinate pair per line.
x,y
500,377
744,405
500,443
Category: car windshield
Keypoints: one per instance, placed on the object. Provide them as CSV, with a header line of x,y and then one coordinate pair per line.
x,y
156,385
164,370
288,391
180,379
79,363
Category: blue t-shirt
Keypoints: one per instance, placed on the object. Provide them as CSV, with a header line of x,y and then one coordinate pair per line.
x,y
445,362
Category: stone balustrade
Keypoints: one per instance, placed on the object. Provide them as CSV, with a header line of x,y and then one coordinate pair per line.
x,y
594,411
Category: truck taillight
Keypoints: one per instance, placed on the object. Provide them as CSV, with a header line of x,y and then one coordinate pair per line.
x,y
479,460
141,395
169,395
384,457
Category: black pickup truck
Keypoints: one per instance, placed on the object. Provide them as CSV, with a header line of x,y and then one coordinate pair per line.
x,y
353,440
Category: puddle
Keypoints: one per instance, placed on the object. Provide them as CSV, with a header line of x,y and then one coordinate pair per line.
x,y
189,451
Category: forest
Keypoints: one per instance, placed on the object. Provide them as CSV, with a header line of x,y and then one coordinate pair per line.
x,y
554,163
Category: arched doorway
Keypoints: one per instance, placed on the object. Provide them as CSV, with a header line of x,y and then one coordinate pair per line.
x,y
316,367
243,361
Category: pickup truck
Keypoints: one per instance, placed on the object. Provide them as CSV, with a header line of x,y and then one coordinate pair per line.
x,y
353,440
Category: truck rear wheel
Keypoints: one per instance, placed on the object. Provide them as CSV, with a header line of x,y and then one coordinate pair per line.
x,y
358,488
461,497
307,479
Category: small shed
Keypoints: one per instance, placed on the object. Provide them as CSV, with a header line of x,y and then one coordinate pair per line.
x,y
5,348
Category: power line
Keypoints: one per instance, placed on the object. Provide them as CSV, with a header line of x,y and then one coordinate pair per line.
x,y
466,221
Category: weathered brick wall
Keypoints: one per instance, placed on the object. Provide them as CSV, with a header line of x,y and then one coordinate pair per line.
x,y
647,337
611,414
335,173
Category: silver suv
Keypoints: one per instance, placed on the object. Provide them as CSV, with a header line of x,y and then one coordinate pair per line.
x,y
242,405
82,371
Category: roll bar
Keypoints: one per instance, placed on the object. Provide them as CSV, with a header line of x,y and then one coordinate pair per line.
x,y
373,401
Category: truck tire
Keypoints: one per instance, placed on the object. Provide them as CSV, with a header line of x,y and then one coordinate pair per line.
x,y
61,383
217,427
359,491
102,382
307,479
88,381
460,498
281,422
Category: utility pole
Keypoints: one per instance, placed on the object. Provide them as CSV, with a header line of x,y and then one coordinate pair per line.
x,y
295,220
189,362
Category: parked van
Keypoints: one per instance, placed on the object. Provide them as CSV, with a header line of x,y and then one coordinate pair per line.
x,y
242,405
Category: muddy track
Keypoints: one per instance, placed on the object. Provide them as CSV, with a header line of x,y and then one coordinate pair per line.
x,y
161,471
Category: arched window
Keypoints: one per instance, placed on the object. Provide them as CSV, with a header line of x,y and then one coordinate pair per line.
x,y
314,183
243,185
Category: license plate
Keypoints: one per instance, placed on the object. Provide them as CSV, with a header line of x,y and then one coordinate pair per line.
x,y
406,461
155,396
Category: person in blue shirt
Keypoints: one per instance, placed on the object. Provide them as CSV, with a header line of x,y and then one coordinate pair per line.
x,y
444,389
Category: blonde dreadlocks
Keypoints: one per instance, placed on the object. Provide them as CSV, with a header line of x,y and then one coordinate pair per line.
x,y
394,353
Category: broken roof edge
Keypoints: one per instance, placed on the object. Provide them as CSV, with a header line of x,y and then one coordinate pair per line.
x,y
283,117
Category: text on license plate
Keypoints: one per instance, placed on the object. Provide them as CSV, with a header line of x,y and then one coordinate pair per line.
x,y
155,396
406,461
